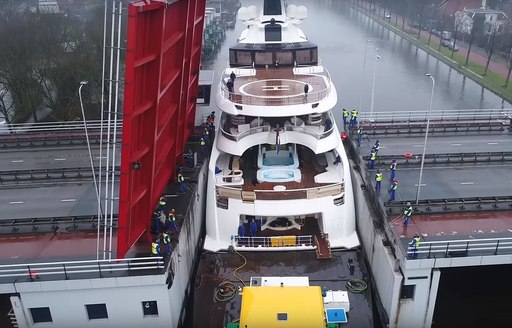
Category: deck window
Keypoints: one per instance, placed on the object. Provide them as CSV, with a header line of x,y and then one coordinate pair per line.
x,y
41,314
150,308
408,291
97,311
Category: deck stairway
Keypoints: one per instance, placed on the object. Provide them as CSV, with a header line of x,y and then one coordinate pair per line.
x,y
323,248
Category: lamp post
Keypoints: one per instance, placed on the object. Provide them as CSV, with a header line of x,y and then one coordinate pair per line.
x,y
426,136
377,58
362,74
82,83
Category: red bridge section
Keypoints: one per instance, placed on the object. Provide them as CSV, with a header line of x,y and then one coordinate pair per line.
x,y
162,72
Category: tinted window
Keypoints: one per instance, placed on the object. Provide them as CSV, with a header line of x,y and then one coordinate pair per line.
x,y
273,32
149,308
41,314
97,311
272,7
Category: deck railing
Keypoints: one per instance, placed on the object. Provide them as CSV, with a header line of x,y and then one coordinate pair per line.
x,y
69,126
276,241
303,193
462,248
306,129
80,269
313,96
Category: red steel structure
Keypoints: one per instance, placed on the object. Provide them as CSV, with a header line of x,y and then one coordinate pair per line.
x,y
164,40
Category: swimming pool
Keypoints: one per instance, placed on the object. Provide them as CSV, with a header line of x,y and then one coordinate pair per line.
x,y
279,175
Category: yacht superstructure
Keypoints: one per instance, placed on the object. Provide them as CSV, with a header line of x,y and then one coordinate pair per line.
x,y
279,178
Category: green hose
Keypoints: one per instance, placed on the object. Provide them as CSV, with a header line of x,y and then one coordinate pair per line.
x,y
225,291
356,286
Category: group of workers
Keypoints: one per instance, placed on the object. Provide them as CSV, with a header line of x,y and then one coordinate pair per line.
x,y
254,226
164,221
350,118
208,133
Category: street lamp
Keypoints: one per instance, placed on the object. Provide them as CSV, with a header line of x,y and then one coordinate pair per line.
x,y
82,83
377,58
426,136
362,74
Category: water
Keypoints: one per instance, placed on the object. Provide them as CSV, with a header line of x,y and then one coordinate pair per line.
x,y
400,84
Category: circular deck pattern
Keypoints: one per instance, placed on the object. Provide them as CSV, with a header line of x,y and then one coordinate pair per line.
x,y
274,88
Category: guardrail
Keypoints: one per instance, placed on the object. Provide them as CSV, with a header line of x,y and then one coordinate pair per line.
x,y
93,125
455,158
51,224
276,241
459,114
454,204
461,248
48,174
81,269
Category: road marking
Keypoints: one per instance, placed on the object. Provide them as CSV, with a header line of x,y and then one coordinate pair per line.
x,y
455,144
68,200
423,185
15,202
98,157
59,159
467,183
492,143
417,145
17,161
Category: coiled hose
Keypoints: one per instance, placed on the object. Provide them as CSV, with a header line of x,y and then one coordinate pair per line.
x,y
356,286
225,291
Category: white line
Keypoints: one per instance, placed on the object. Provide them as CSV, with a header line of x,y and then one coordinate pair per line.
x,y
467,183
98,157
455,144
417,145
59,159
68,200
423,185
492,143
15,202
17,161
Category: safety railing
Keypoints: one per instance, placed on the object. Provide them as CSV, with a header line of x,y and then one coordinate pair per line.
x,y
287,194
56,126
459,114
276,241
316,131
461,248
235,178
81,269
282,100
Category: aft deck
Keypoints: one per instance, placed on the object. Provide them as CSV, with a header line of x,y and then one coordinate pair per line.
x,y
277,86
310,166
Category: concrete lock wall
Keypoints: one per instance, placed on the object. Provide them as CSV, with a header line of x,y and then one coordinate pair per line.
x,y
124,304
385,273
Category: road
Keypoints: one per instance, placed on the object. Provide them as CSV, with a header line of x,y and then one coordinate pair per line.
x,y
62,200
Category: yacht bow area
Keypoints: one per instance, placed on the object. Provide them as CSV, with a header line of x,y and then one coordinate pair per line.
x,y
239,132
276,91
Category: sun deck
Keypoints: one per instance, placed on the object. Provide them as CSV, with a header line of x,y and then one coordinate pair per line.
x,y
277,86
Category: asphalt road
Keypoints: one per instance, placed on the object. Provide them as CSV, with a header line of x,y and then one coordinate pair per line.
x,y
62,200
440,144
55,157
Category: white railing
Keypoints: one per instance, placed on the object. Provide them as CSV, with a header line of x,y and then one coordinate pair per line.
x,y
303,193
235,178
69,269
463,247
458,114
276,241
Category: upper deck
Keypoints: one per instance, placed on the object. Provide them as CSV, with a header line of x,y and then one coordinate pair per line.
x,y
257,91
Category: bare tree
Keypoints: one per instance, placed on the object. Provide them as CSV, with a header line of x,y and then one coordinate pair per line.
x,y
471,38
509,67
490,51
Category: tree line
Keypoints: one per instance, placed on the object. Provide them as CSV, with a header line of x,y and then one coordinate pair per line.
x,y
43,58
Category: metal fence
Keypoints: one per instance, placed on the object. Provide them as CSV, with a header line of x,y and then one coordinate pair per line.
x,y
462,247
81,269
277,241
459,114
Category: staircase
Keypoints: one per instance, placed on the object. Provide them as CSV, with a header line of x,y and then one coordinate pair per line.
x,y
323,248
12,318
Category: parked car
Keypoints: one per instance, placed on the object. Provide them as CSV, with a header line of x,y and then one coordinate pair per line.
x,y
387,15
446,35
446,43
453,46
